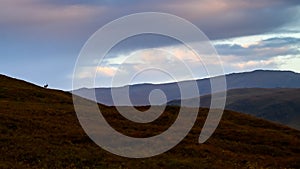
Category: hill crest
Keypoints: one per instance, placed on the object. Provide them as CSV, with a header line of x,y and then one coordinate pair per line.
x,y
42,131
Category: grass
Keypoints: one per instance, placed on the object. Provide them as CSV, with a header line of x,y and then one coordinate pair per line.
x,y
39,129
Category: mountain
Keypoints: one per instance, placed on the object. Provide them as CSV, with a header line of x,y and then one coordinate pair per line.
x,y
279,104
39,129
139,93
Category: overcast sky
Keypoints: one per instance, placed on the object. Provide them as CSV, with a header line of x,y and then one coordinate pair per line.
x,y
41,39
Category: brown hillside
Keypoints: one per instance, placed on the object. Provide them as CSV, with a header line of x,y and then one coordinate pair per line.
x,y
39,129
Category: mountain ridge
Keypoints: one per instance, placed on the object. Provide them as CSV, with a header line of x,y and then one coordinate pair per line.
x,y
207,78
139,93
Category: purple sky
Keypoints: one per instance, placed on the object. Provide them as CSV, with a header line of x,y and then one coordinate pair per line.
x,y
41,39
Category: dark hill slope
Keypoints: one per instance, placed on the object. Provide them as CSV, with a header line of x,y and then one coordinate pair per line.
x,y
39,129
280,105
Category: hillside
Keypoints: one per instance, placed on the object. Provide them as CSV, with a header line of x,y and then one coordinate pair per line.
x,y
256,79
39,129
280,105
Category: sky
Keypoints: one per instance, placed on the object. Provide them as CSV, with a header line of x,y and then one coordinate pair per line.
x,y
40,40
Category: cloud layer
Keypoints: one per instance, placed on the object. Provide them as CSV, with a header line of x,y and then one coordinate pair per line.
x,y
217,18
36,33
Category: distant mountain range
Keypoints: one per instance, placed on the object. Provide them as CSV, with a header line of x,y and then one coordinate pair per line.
x,y
279,104
139,94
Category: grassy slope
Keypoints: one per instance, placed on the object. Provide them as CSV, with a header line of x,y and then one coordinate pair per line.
x,y
279,105
39,129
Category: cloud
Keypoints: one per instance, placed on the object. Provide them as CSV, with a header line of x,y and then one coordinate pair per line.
x,y
217,18
139,42
39,12
254,64
31,17
261,50
86,72
178,63
70,23
179,60
279,42
162,64
231,18
289,62
106,71
52,30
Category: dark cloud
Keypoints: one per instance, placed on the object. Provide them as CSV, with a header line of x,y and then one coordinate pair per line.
x,y
246,21
143,41
94,2
217,18
264,50
225,18
53,31
279,42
